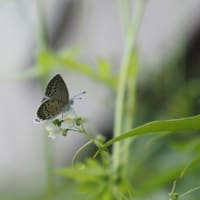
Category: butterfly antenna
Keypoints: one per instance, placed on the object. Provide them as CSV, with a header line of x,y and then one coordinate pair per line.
x,y
77,96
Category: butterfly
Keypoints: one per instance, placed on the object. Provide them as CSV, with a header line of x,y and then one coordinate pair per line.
x,y
56,99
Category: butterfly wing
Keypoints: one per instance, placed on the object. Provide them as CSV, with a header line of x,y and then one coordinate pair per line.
x,y
50,108
57,89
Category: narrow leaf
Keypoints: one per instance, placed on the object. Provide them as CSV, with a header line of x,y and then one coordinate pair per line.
x,y
173,125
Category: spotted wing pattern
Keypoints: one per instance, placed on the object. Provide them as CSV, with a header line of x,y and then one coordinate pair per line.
x,y
57,89
50,108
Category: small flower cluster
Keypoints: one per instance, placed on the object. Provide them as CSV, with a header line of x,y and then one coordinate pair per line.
x,y
61,127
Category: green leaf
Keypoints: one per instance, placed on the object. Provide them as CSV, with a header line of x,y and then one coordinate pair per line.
x,y
163,126
71,52
104,68
87,172
96,180
45,62
92,177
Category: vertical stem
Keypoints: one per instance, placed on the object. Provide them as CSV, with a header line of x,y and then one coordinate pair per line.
x,y
130,105
130,42
43,42
49,169
42,25
125,14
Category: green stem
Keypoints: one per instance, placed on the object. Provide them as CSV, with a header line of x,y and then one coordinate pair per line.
x,y
172,194
81,149
43,45
129,46
130,105
42,26
83,130
125,14
49,167
188,192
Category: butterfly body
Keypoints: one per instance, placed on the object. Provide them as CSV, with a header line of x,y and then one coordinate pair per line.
x,y
56,99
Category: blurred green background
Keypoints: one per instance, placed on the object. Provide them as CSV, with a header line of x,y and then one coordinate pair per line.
x,y
90,38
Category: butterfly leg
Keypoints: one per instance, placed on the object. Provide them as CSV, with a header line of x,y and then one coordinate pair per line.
x,y
37,121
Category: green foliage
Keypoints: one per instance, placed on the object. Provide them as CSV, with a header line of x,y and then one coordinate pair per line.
x,y
109,177
176,125
104,68
158,157
97,180
49,61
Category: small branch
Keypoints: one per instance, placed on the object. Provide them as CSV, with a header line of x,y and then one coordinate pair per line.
x,y
81,149
188,192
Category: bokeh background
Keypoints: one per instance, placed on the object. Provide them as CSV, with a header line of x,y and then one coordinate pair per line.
x,y
168,82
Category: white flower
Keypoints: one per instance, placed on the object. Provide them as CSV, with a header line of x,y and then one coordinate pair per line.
x,y
53,130
69,119
61,127
52,135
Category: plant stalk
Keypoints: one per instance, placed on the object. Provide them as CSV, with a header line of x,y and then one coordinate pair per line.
x,y
43,39
130,43
43,43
